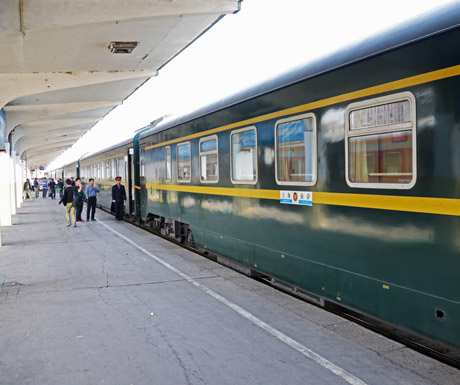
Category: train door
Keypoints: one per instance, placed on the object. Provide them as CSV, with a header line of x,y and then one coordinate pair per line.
x,y
127,179
130,176
143,191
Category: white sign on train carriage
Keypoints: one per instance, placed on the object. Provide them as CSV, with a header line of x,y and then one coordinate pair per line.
x,y
304,198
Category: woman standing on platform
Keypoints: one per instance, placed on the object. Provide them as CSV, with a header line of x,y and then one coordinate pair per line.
x,y
52,187
78,199
60,184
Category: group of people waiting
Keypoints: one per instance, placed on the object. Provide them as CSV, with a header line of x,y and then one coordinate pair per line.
x,y
48,187
73,200
72,196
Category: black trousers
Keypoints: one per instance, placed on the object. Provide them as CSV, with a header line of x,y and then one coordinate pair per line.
x,y
91,207
79,208
118,210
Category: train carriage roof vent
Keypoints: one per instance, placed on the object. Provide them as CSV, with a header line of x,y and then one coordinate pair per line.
x,y
122,47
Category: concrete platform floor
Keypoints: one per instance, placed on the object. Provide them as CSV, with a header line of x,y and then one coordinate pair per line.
x,y
107,303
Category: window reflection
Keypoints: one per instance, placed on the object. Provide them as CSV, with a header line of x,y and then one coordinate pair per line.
x,y
244,160
184,165
296,151
209,167
381,158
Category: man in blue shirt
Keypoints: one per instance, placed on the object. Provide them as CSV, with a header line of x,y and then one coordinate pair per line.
x,y
91,192
44,184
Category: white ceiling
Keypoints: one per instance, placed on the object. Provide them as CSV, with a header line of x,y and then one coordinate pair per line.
x,y
57,75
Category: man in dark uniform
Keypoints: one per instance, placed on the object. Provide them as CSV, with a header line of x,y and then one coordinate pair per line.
x,y
118,198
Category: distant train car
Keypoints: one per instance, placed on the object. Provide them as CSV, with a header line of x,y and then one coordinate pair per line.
x,y
59,173
104,166
71,170
339,181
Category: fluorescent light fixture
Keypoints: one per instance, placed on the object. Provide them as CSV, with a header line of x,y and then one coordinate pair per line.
x,y
122,46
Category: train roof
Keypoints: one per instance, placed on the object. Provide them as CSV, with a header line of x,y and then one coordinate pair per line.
x,y
117,145
86,156
411,31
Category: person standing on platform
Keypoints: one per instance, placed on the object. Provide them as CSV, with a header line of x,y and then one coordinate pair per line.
x,y
26,190
52,187
72,182
118,198
36,188
44,184
60,188
78,199
67,199
91,193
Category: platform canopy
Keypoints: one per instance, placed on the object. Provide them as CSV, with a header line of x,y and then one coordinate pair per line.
x,y
67,63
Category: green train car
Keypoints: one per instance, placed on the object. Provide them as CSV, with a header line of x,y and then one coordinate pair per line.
x,y
104,166
339,180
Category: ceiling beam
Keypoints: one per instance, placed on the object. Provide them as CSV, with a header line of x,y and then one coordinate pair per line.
x,y
16,114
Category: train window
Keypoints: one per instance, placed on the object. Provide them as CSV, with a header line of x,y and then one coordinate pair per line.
x,y
108,174
142,162
296,150
380,143
184,163
244,156
112,166
168,163
380,115
209,160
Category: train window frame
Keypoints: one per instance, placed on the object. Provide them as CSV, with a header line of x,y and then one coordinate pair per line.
x,y
166,164
315,149
108,173
382,129
177,162
117,166
205,153
112,166
142,162
248,182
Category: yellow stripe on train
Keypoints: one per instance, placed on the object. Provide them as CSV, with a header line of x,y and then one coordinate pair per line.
x,y
386,87
442,206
